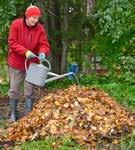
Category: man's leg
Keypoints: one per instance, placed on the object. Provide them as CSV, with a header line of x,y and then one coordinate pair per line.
x,y
15,78
28,93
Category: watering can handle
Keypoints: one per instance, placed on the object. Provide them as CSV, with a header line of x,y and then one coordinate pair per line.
x,y
49,65
26,68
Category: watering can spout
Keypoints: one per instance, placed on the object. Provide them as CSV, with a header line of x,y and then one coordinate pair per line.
x,y
57,76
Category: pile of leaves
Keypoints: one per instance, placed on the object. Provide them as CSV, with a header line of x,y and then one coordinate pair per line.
x,y
87,115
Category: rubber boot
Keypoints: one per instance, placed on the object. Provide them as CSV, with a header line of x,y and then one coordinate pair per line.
x,y
28,105
13,106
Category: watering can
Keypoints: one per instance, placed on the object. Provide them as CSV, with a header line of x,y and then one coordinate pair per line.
x,y
37,74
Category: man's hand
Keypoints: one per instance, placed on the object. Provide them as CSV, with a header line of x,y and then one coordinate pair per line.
x,y
29,54
41,57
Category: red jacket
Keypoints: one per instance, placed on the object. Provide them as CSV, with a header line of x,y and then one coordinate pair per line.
x,y
22,38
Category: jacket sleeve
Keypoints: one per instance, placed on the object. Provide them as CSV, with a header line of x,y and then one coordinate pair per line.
x,y
44,46
12,40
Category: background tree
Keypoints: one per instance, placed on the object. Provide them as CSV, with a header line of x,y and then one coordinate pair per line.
x,y
79,30
114,38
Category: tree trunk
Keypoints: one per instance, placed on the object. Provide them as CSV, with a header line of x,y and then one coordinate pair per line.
x,y
90,4
65,45
55,35
88,58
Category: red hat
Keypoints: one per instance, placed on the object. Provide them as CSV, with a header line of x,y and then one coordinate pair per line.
x,y
32,11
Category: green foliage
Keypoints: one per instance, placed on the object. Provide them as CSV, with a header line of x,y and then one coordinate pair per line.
x,y
64,143
123,93
34,145
128,66
4,89
128,144
113,40
114,18
7,11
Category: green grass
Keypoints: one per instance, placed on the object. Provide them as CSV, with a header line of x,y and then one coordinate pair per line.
x,y
4,89
128,144
65,143
122,93
51,143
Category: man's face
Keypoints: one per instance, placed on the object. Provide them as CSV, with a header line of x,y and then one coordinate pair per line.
x,y
31,21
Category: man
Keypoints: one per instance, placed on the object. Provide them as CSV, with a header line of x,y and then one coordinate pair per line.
x,y
27,38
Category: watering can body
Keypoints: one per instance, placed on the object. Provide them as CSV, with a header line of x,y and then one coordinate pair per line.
x,y
37,73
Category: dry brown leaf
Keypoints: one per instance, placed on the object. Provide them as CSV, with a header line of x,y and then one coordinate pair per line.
x,y
86,114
